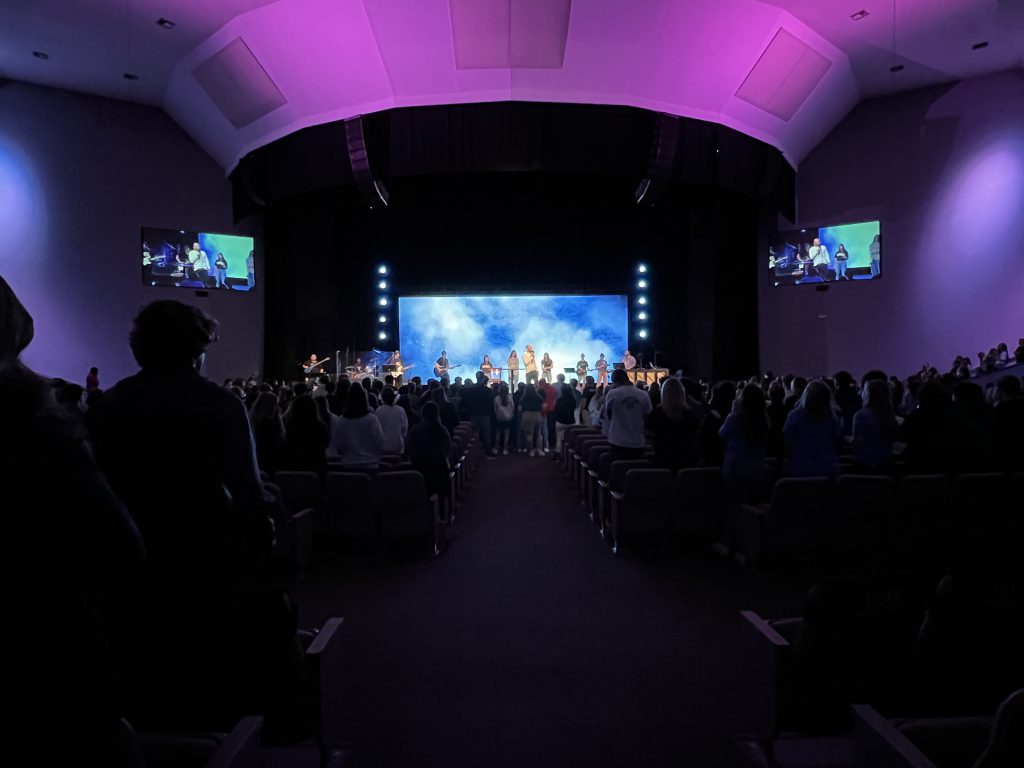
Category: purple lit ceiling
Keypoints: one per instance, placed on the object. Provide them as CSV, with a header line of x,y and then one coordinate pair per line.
x,y
314,61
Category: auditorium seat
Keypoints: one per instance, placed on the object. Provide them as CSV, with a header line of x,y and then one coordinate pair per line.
x,y
697,508
642,507
987,523
238,749
616,484
406,511
293,533
588,458
350,505
568,442
787,528
920,530
584,443
853,532
302,490
598,454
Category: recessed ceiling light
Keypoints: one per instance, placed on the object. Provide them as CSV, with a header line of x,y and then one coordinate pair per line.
x,y
166,23
130,76
859,15
979,46
41,55
897,68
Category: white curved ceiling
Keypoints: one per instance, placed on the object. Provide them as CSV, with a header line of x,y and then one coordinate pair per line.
x,y
333,59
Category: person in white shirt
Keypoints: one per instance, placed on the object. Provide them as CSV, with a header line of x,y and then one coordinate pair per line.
x,y
358,438
622,417
819,257
628,361
530,361
200,263
394,423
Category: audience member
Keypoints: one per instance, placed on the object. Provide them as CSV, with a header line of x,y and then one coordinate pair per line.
x,y
709,442
674,428
811,432
358,438
777,413
307,437
268,429
504,412
565,414
874,428
1008,425
530,407
935,433
394,424
622,417
848,400
92,379
430,447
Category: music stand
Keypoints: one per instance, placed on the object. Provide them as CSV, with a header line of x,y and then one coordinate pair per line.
x,y
619,366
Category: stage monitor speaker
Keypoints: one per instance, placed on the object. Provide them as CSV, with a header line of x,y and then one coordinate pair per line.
x,y
663,157
372,190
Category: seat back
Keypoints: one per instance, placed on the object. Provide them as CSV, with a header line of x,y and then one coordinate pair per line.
x,y
987,524
862,507
698,501
647,498
351,504
919,533
405,509
585,446
595,453
795,515
604,466
300,490
617,474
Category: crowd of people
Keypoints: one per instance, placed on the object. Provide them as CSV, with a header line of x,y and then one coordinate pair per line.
x,y
153,537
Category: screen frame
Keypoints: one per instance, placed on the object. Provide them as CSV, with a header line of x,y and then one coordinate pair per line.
x,y
826,224
197,233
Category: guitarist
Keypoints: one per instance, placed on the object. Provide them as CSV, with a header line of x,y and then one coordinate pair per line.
x,y
441,366
399,370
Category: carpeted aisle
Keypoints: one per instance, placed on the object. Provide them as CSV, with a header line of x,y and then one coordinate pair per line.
x,y
527,642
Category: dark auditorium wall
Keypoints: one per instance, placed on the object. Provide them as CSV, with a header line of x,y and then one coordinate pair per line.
x,y
79,176
943,169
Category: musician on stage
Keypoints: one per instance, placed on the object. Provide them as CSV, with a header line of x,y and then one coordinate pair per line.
x,y
513,370
602,371
396,360
582,367
628,361
310,367
441,365
530,361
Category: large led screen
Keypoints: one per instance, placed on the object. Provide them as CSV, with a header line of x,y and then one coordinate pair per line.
x,y
179,258
469,327
827,254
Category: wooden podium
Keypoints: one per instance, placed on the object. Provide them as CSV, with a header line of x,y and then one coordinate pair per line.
x,y
648,375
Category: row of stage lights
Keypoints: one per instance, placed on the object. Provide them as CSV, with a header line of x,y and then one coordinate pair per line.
x,y
383,302
642,303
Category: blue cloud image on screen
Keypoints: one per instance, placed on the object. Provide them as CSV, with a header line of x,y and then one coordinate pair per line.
x,y
469,327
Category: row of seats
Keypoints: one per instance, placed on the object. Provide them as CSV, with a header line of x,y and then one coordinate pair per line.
x,y
393,506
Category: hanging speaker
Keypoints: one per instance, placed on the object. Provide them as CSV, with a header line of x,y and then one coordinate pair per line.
x,y
663,157
372,190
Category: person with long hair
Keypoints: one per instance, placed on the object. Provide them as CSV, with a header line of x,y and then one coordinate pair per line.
x,y
504,413
935,432
449,415
430,448
486,366
546,366
811,432
874,428
745,434
674,428
842,256
358,438
268,430
513,369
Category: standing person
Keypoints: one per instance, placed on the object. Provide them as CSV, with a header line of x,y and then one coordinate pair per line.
x,y
530,406
874,427
250,270
709,441
358,438
530,361
582,367
564,415
306,437
92,380
504,413
478,401
811,432
819,258
875,250
220,272
268,430
675,428
628,361
602,371
547,424
441,365
200,263
622,417
745,434
394,423
430,447
547,364
842,256
513,370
